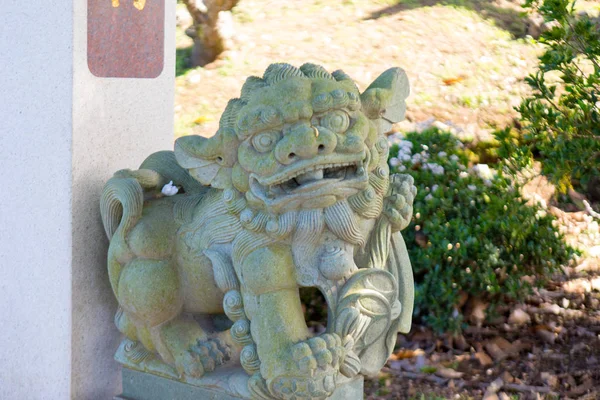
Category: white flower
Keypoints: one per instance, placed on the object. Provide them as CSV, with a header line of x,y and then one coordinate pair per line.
x,y
442,154
434,188
453,157
394,162
463,174
405,157
487,182
416,158
405,144
540,214
472,187
402,168
429,197
483,171
169,189
425,147
435,169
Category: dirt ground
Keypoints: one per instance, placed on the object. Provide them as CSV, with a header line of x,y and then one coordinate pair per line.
x,y
462,67
466,60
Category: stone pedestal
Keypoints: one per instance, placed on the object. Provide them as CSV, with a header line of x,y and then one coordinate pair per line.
x,y
65,130
143,386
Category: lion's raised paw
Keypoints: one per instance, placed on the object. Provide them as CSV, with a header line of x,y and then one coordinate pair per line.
x,y
398,204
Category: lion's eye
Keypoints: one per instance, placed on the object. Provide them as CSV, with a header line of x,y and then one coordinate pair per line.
x,y
337,121
265,141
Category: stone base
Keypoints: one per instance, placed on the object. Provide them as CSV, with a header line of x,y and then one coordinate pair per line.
x,y
144,386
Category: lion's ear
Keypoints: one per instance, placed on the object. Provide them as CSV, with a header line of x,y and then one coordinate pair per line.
x,y
209,161
384,100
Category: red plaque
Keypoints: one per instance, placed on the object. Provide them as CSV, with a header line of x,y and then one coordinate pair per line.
x,y
126,38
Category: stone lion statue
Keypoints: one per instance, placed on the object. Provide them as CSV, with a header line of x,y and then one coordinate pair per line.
x,y
292,191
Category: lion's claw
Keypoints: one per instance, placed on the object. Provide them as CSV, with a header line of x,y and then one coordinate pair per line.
x,y
318,352
317,362
399,201
189,364
203,357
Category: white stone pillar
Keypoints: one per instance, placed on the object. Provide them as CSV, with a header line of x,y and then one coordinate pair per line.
x,y
63,131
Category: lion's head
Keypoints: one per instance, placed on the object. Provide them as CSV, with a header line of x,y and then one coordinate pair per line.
x,y
300,138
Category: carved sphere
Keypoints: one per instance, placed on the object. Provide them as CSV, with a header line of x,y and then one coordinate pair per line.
x,y
272,226
240,332
336,263
246,216
228,195
249,359
233,305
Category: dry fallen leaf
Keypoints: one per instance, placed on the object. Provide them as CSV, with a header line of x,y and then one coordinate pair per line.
x,y
551,308
496,352
501,342
483,358
490,396
406,353
545,335
507,377
549,379
580,285
453,80
203,119
519,317
448,373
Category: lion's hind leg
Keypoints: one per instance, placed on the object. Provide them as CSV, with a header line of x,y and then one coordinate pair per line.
x,y
149,293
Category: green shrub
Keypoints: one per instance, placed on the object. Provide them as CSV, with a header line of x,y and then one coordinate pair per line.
x,y
471,232
561,121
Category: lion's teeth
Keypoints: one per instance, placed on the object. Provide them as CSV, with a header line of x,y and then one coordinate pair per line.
x,y
310,176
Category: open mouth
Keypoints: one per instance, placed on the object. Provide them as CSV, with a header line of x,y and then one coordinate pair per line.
x,y
312,178
315,179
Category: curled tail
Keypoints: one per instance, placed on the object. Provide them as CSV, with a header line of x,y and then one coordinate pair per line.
x,y
123,195
121,205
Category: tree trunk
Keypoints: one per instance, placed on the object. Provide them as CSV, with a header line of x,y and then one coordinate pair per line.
x,y
212,30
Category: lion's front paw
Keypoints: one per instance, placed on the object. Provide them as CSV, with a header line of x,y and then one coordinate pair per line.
x,y
201,358
315,367
398,204
318,353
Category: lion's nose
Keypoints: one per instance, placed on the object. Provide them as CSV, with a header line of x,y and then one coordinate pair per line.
x,y
303,142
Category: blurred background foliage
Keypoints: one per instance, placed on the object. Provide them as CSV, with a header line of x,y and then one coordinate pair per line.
x,y
502,91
